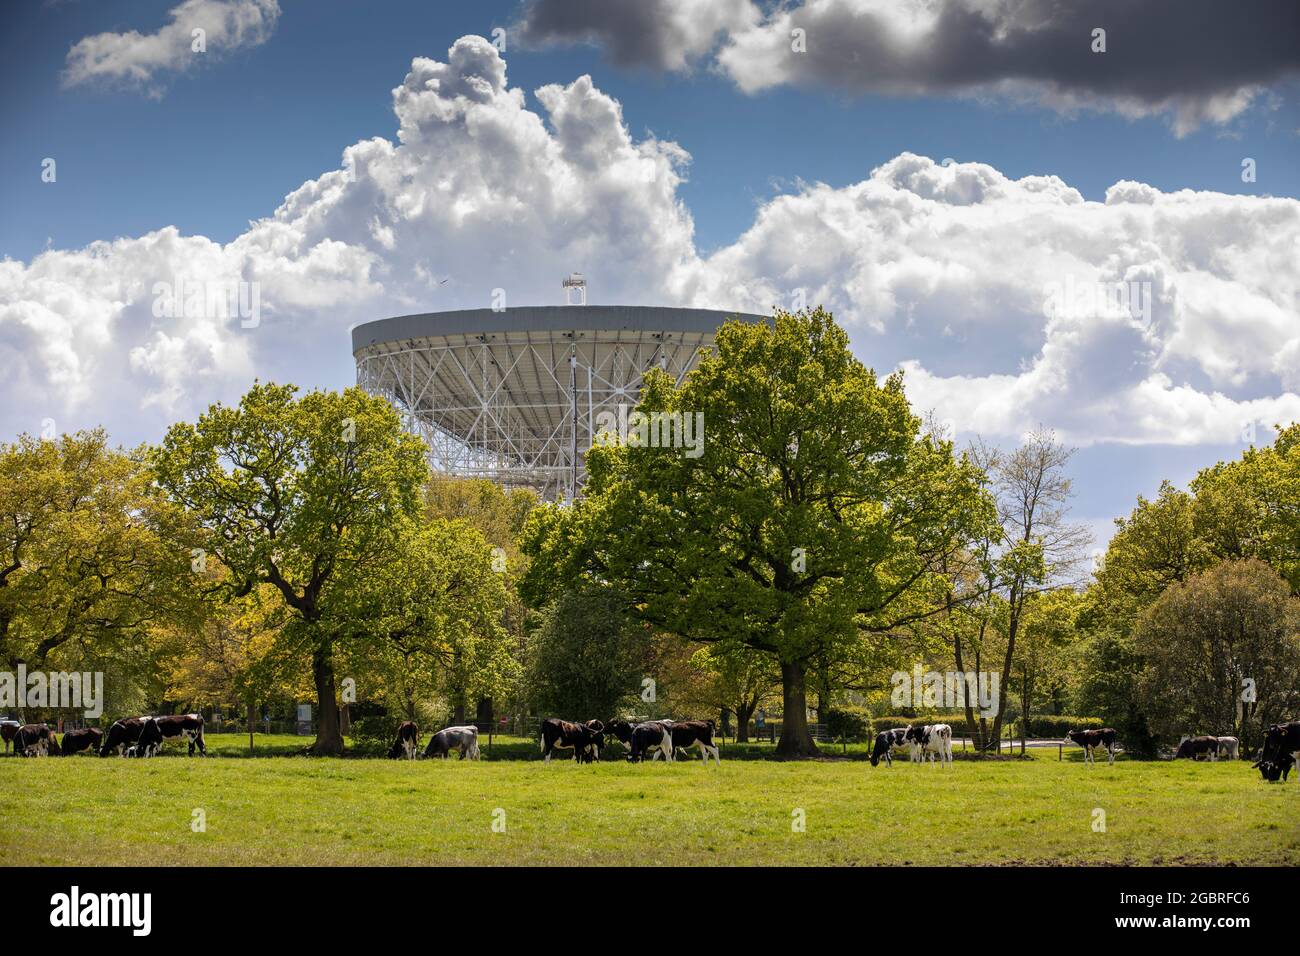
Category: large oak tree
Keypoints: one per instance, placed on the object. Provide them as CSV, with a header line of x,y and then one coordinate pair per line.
x,y
815,511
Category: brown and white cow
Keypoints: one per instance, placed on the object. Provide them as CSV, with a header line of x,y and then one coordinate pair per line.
x,y
585,740
75,741
1193,748
1091,739
8,730
407,742
35,740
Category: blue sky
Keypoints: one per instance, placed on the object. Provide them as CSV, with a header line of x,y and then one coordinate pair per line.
x,y
209,148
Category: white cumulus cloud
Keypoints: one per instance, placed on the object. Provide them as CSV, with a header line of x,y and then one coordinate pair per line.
x,y
996,295
135,58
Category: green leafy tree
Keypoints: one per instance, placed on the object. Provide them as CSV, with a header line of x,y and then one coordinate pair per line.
x,y
89,561
587,657
298,493
1205,640
815,511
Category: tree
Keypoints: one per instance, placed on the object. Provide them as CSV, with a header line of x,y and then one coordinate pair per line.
x,y
1234,627
297,493
813,511
89,560
432,623
1033,548
587,657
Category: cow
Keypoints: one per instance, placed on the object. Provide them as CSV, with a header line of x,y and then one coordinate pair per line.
x,y
888,741
1090,739
1194,747
1281,751
35,740
692,733
407,742
150,741
642,738
464,740
75,741
8,730
121,735
586,740
190,725
1229,747
932,740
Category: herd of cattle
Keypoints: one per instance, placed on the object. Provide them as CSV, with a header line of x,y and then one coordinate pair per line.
x,y
649,739
130,736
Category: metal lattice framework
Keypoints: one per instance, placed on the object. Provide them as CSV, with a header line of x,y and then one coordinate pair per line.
x,y
516,395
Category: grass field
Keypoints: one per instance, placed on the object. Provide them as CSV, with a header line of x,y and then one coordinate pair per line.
x,y
297,810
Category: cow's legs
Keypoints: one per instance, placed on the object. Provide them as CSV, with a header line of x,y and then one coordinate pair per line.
x,y
1111,751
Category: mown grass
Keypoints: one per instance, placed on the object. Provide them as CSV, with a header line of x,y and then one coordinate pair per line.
x,y
300,810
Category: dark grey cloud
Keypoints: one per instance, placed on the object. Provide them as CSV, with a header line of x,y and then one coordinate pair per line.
x,y
1199,59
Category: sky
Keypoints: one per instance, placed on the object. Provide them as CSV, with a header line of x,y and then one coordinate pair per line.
x,y
1038,231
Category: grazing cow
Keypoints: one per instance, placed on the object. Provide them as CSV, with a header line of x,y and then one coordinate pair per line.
x,y
586,740
1229,747
8,730
407,742
1089,739
75,741
1196,747
121,735
692,733
642,738
464,740
191,725
35,740
888,741
150,741
1281,751
931,740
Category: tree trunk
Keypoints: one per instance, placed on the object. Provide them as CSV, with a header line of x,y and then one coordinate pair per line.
x,y
795,740
252,724
329,737
744,712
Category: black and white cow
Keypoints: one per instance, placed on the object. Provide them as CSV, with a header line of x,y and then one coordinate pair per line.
x,y
1090,739
189,725
35,740
585,740
888,741
407,742
150,741
121,735
643,738
931,741
1193,748
9,730
463,740
1281,751
75,741
692,733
